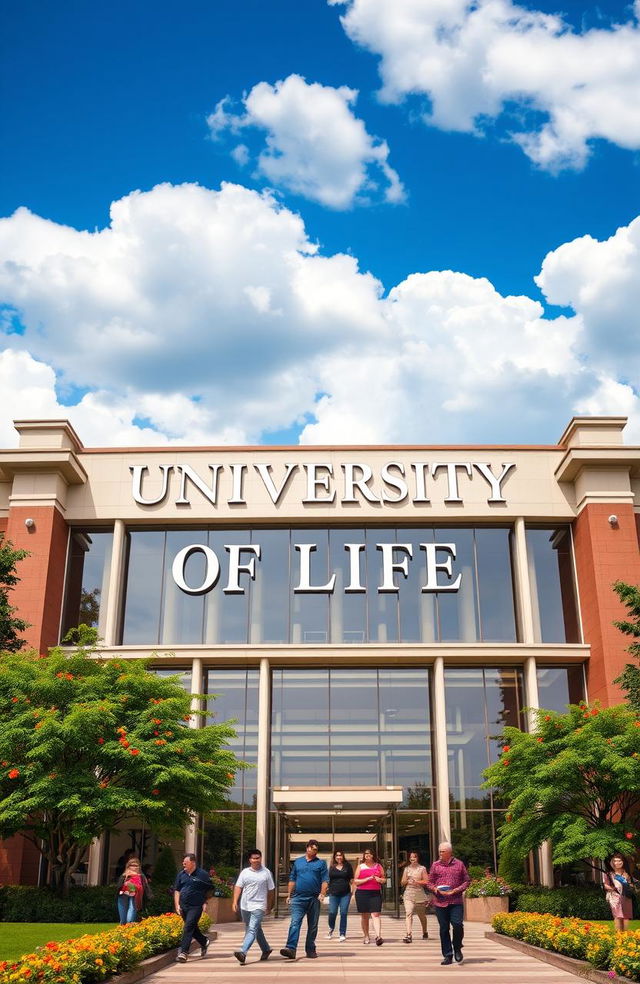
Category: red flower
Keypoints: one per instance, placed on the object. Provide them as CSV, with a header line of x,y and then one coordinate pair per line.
x,y
124,742
629,836
160,741
230,775
134,751
540,739
121,731
506,748
14,773
14,700
506,761
101,741
156,792
547,717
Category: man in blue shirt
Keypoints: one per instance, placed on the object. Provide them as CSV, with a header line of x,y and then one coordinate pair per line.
x,y
307,887
192,886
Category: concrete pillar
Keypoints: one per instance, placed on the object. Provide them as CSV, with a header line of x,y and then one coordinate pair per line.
x,y
440,749
264,730
191,830
116,582
524,605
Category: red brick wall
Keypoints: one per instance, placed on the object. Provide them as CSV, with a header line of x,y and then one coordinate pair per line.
x,y
38,594
605,554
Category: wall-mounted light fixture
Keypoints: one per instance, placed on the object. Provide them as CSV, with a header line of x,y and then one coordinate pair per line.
x,y
30,524
613,520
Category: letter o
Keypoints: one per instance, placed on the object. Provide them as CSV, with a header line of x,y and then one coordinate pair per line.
x,y
211,574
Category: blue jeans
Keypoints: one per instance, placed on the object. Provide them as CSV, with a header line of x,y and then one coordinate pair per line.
x,y
340,902
301,906
450,916
253,922
127,909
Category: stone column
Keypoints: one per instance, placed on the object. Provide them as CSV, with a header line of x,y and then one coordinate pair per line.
x,y
440,749
264,732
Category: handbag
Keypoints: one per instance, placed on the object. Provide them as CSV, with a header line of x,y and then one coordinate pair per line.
x,y
628,890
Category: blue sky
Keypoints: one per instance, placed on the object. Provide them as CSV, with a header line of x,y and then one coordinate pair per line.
x,y
402,310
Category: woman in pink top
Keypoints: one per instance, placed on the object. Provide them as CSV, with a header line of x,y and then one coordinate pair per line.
x,y
368,880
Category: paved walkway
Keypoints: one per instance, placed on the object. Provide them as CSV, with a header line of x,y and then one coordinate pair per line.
x,y
416,963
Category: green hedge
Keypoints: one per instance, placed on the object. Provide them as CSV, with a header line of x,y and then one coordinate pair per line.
x,y
582,902
25,903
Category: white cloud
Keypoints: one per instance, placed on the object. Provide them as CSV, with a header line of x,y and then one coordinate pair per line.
x,y
315,145
208,317
474,60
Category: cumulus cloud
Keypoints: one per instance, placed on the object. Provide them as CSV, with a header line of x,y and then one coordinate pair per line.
x,y
315,145
473,61
208,317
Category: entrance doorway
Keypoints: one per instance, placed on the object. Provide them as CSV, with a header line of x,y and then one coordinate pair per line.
x,y
350,832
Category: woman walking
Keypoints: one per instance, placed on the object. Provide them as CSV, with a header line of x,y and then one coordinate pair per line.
x,y
340,882
132,888
618,884
415,899
368,880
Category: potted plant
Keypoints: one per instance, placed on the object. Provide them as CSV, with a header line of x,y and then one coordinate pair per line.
x,y
485,897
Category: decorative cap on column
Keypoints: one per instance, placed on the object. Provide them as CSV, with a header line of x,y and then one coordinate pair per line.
x,y
593,432
48,434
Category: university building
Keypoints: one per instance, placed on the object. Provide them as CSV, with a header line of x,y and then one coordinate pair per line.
x,y
371,617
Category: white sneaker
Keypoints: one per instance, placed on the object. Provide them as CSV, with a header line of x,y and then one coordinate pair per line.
x,y
329,936
342,939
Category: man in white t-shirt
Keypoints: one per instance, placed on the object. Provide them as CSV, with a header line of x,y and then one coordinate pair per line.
x,y
253,894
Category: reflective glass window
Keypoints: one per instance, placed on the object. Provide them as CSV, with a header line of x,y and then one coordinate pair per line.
x,y
234,697
354,731
559,686
479,704
458,610
353,727
382,606
87,587
495,585
552,585
226,614
270,590
418,616
182,616
473,837
145,575
300,728
348,609
309,609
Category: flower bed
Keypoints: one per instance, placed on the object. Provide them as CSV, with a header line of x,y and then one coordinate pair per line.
x,y
93,958
601,946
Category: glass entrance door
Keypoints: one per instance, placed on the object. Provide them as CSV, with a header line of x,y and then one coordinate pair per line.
x,y
350,832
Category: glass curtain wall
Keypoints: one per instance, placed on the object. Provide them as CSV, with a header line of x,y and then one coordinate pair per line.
x,y
480,702
347,563
87,583
230,832
553,592
353,727
559,686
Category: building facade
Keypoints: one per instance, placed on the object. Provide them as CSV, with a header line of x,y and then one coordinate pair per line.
x,y
371,617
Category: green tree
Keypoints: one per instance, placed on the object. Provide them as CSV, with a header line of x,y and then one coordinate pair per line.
x,y
629,679
575,780
87,743
10,625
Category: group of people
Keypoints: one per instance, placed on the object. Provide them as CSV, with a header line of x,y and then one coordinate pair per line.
x,y
312,882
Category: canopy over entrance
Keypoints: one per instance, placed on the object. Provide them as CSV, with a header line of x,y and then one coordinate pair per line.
x,y
337,799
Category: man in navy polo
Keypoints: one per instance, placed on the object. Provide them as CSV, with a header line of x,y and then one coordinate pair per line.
x,y
307,887
192,886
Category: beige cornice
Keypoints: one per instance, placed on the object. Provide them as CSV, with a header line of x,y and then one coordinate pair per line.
x,y
371,654
22,461
574,460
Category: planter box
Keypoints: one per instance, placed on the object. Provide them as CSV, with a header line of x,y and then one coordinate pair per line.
x,y
483,909
572,966
220,911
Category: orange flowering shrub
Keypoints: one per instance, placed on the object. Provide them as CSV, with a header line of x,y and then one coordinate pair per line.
x,y
594,942
93,958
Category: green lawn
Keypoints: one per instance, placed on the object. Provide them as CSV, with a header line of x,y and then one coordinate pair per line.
x,y
19,938
633,923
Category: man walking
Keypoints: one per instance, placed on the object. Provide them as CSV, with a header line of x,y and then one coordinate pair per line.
x,y
253,894
448,879
307,887
190,892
